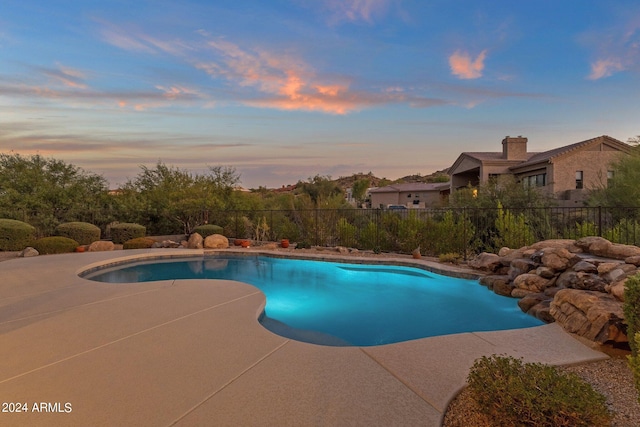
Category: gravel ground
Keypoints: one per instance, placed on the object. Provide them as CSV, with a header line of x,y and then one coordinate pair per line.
x,y
611,377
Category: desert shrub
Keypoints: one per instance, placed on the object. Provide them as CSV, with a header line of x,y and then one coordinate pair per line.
x,y
303,245
55,245
513,230
369,236
82,232
138,243
533,394
450,257
410,232
634,363
15,235
208,230
346,232
631,307
122,232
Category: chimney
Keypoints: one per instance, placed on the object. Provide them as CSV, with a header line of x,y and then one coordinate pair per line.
x,y
514,148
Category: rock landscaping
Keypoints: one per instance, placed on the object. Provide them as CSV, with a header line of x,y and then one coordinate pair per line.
x,y
577,283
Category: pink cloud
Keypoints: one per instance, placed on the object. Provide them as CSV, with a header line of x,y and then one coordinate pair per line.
x,y
288,82
465,67
605,68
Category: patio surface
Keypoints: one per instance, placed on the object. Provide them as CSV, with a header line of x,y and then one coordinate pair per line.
x,y
191,352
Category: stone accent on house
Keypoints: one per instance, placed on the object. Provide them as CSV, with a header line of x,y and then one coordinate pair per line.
x,y
577,283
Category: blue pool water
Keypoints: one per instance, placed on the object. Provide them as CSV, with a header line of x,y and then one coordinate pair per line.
x,y
346,304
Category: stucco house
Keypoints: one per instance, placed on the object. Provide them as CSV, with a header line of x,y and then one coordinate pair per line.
x,y
565,172
410,195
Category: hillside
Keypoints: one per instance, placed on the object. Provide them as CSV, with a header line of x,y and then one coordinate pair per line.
x,y
347,182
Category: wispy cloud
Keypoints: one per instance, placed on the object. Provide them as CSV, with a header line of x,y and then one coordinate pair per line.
x,y
288,83
67,76
263,78
136,41
605,68
616,51
465,67
355,10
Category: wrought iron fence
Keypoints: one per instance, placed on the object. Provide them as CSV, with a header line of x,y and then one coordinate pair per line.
x,y
461,231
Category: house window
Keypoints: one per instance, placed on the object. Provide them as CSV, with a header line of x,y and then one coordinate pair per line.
x,y
539,180
610,175
579,180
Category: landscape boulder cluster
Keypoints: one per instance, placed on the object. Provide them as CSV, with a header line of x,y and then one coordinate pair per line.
x,y
577,283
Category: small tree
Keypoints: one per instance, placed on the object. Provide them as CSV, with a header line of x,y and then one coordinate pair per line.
x,y
622,190
359,189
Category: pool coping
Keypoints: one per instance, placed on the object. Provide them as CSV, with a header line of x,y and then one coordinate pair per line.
x,y
396,383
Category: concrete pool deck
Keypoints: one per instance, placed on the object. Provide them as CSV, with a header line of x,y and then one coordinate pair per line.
x,y
191,352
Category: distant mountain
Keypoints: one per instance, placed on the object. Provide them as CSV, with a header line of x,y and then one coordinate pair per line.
x,y
438,176
347,182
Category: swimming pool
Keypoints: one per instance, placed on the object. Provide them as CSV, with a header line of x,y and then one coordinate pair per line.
x,y
334,303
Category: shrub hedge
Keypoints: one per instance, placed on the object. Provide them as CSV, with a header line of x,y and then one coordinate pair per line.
x,y
515,394
55,245
15,235
138,243
208,230
631,307
82,232
124,231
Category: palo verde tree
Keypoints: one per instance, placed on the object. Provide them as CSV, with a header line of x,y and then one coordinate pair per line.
x,y
322,192
168,199
45,192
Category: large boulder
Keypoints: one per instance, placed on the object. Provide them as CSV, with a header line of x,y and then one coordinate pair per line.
x,y
491,280
101,246
594,245
567,244
28,252
585,267
520,266
593,315
216,241
485,262
558,259
195,241
531,282
618,251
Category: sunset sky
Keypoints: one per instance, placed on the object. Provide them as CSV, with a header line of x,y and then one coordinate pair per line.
x,y
286,89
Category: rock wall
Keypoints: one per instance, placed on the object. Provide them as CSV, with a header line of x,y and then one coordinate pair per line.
x,y
576,283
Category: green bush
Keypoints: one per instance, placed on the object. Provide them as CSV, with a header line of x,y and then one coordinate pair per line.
x,y
208,230
55,245
631,307
533,394
82,232
450,257
139,243
15,235
122,232
346,233
634,363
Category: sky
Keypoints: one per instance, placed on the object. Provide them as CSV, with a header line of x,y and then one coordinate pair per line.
x,y
283,90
